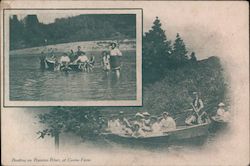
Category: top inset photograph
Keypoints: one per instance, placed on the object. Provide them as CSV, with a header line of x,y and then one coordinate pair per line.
x,y
73,57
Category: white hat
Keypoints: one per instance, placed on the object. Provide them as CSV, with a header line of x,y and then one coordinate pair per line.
x,y
165,113
145,114
139,114
221,105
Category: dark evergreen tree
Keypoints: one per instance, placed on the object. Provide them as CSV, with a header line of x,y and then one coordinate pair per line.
x,y
179,55
156,52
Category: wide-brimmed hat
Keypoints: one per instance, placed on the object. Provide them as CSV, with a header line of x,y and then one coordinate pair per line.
x,y
139,115
221,104
145,114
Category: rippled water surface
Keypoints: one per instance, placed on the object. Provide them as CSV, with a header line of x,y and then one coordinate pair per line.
x,y
29,83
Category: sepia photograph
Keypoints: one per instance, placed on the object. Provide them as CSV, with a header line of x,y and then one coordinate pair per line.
x,y
84,57
125,83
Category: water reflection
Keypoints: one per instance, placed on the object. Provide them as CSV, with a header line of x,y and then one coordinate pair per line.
x,y
29,82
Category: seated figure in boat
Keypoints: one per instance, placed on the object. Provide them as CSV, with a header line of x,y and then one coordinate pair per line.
x,y
155,125
72,56
82,60
113,125
198,113
138,132
222,114
167,123
64,62
122,125
79,52
146,122
139,118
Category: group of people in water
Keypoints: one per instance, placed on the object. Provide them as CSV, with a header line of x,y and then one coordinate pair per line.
x,y
143,124
110,60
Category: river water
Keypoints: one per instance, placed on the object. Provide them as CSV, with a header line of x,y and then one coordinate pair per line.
x,y
29,83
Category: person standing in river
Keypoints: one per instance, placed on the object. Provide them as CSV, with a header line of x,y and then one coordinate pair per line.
x,y
42,61
106,62
115,55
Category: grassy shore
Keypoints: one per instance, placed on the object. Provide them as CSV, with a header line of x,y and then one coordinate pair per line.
x,y
124,45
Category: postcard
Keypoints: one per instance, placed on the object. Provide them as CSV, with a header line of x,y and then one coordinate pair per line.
x,y
125,83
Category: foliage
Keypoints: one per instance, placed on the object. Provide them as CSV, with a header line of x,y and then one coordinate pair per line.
x,y
173,92
82,121
30,32
156,51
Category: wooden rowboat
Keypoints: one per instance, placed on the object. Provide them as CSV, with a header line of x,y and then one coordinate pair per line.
x,y
180,135
217,124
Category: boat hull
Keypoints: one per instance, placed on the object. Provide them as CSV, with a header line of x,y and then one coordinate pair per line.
x,y
52,65
217,125
196,134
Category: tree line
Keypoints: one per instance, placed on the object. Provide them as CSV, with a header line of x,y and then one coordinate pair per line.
x,y
29,32
159,54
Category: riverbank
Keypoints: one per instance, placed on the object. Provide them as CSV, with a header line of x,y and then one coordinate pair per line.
x,y
100,45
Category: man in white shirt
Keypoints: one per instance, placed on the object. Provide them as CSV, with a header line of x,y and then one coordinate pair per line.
x,y
167,123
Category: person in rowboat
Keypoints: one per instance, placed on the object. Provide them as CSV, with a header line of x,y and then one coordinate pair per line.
x,y
123,124
197,105
155,125
167,123
222,114
138,132
82,60
72,55
146,121
139,119
112,125
115,55
79,52
64,62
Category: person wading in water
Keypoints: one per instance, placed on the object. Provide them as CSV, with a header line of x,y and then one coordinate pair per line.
x,y
115,62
